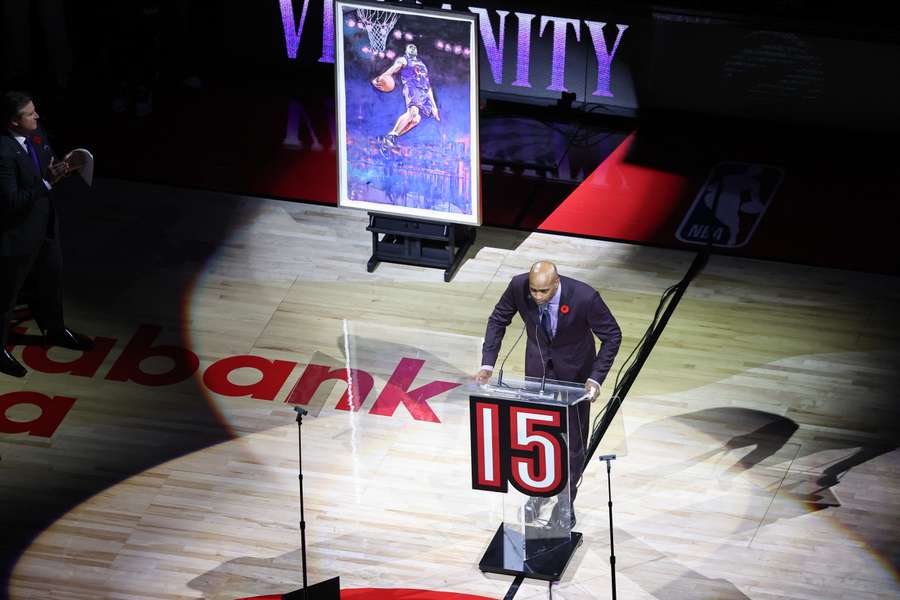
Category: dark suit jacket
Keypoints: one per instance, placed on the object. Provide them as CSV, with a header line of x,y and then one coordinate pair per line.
x,y
27,215
572,349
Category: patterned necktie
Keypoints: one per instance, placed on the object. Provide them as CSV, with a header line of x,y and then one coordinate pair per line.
x,y
545,322
34,157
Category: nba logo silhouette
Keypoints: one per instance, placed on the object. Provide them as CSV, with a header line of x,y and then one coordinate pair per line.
x,y
730,204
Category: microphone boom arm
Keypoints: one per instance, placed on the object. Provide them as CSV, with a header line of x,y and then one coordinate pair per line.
x,y
631,374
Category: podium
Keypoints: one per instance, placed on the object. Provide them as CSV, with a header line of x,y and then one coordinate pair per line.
x,y
520,434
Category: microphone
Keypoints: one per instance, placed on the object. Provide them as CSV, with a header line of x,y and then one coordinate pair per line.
x,y
537,338
502,364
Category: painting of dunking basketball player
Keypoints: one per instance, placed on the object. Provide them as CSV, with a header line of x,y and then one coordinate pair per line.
x,y
407,111
417,92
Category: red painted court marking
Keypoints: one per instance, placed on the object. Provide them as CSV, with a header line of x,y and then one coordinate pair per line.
x,y
620,200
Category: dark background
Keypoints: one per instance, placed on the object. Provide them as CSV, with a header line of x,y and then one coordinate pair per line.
x,y
807,87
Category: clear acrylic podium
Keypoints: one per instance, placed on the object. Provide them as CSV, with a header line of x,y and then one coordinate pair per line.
x,y
520,434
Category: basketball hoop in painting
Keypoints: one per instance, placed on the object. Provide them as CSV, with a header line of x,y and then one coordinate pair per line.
x,y
378,24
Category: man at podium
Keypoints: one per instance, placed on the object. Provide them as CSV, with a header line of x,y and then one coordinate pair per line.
x,y
561,316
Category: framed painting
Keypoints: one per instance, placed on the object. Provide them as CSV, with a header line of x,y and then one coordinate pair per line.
x,y
407,111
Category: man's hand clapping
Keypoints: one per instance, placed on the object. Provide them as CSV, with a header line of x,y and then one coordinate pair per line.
x,y
58,170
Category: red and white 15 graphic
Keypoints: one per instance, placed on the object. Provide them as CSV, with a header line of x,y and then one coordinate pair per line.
x,y
519,443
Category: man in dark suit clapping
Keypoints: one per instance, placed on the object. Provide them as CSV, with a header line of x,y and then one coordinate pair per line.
x,y
29,228
562,316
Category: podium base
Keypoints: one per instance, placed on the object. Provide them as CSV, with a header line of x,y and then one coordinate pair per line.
x,y
545,559
330,589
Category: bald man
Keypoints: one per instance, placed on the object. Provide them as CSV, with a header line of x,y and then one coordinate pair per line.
x,y
562,316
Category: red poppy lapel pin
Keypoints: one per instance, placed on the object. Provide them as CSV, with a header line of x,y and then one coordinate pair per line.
x,y
37,140
564,309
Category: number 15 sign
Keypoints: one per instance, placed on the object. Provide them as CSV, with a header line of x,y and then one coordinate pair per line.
x,y
519,443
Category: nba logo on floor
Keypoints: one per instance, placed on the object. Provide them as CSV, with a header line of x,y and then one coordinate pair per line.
x,y
730,204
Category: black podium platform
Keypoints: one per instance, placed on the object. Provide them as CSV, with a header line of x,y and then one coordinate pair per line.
x,y
547,558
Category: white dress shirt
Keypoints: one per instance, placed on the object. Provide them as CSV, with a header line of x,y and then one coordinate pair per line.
x,y
21,140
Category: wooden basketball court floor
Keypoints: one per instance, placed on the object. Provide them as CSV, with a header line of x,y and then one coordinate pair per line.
x,y
760,462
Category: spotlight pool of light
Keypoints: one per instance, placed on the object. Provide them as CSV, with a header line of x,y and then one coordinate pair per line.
x,y
457,49
398,34
390,54
466,52
408,36
351,23
439,45
226,502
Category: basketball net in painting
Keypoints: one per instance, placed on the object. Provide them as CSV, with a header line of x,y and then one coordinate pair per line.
x,y
378,24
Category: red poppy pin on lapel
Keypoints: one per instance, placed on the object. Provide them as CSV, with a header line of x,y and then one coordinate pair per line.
x,y
564,309
36,139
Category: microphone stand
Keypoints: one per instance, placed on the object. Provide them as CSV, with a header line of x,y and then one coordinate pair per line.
x,y
503,364
330,589
612,553
300,412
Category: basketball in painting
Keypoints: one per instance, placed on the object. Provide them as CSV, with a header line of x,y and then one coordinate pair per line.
x,y
384,83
